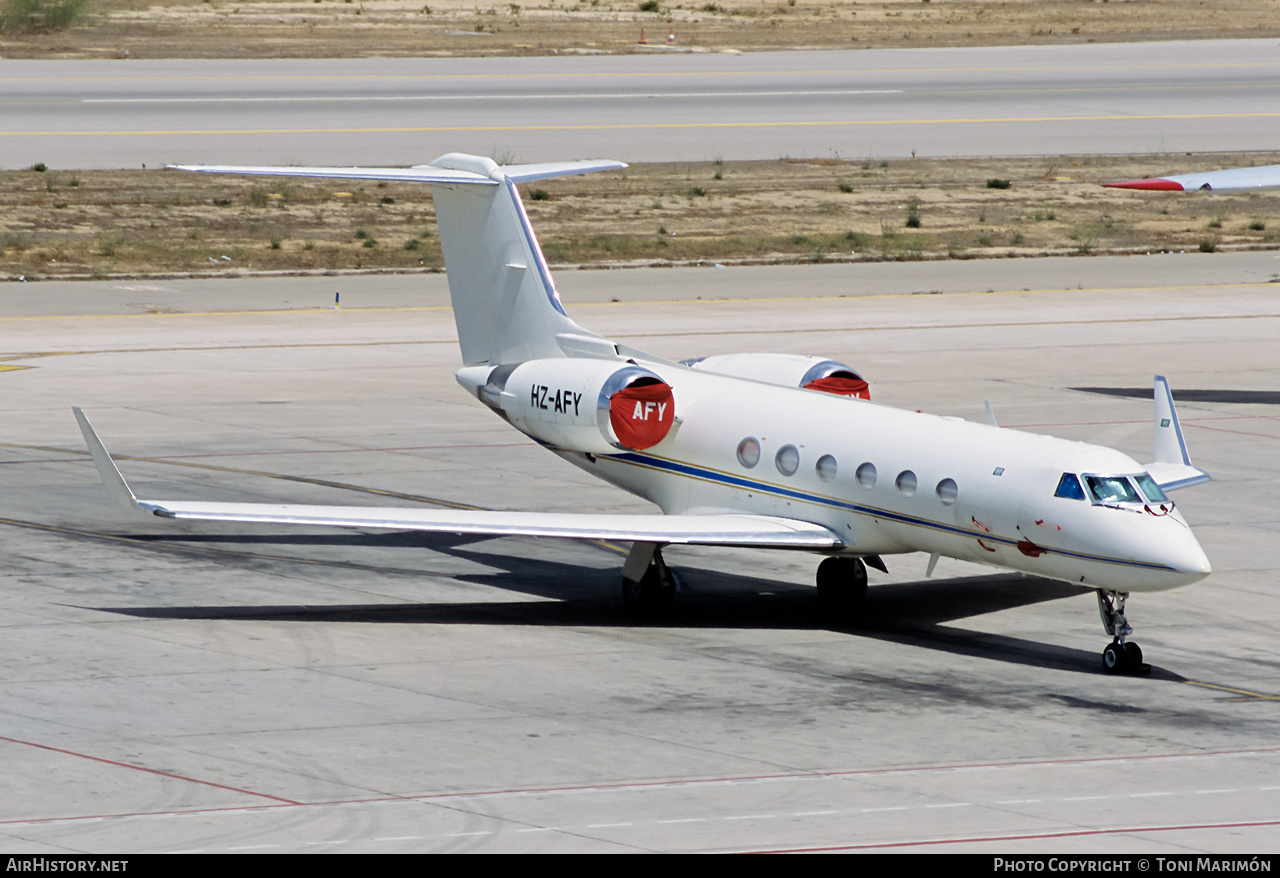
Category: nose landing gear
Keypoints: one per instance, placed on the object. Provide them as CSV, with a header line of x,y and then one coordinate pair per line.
x,y
1121,656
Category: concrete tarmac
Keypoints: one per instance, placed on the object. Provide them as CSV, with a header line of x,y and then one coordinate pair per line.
x,y
1153,97
173,687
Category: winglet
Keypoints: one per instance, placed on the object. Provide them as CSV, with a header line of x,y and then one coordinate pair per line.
x,y
116,485
1172,468
1171,447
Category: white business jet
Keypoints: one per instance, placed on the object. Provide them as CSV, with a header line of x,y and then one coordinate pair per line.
x,y
764,450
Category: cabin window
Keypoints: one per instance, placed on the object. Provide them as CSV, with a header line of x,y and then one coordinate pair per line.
x,y
787,460
1069,487
1112,489
947,491
906,483
826,467
867,475
1150,488
749,452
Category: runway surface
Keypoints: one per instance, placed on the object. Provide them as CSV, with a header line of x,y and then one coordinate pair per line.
x,y
210,687
1036,100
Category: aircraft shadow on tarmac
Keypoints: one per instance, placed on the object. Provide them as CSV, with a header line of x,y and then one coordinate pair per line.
x,y
911,613
1241,397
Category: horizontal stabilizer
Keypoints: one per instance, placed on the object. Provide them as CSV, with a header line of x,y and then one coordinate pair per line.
x,y
546,170
479,173
423,174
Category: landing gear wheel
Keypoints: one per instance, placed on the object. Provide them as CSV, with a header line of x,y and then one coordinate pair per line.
x,y
842,587
1115,658
1121,656
653,592
1124,658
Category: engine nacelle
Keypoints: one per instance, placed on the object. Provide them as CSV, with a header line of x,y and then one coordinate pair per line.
x,y
788,370
597,406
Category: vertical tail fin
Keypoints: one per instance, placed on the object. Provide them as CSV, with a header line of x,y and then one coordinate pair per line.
x,y
504,300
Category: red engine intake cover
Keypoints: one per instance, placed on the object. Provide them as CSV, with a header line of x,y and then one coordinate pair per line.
x,y
641,416
841,386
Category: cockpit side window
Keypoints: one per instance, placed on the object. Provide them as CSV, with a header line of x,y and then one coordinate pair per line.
x,y
1151,489
1069,487
1112,489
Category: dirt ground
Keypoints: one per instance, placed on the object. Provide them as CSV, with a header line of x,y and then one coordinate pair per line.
x,y
362,28
63,223
67,223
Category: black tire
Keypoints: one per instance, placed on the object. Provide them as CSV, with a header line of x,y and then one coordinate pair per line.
x,y
654,593
842,587
1115,658
1133,653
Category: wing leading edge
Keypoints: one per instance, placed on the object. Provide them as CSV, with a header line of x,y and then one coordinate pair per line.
x,y
713,529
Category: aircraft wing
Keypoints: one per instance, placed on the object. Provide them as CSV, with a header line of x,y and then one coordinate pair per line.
x,y
695,530
1231,180
716,529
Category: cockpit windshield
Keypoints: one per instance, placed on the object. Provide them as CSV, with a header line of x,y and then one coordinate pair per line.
x,y
1112,489
1137,488
1150,488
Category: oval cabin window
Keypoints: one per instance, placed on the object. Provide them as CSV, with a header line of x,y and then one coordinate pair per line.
x,y
906,483
867,475
787,460
948,491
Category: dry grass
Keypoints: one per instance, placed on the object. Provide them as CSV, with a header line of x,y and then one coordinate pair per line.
x,y
60,223
361,28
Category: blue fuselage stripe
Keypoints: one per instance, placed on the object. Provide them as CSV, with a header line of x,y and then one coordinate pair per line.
x,y
702,473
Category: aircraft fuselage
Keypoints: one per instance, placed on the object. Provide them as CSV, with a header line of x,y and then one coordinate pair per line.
x,y
891,481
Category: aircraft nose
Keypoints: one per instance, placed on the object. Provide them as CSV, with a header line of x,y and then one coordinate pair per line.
x,y
1173,556
1189,560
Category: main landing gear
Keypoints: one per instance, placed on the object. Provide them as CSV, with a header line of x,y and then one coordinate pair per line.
x,y
842,587
1121,656
648,585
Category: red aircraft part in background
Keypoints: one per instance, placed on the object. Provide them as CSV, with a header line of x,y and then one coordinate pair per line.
x,y
1231,180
